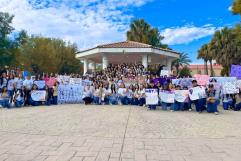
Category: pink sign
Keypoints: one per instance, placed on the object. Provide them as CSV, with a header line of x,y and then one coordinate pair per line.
x,y
202,80
50,82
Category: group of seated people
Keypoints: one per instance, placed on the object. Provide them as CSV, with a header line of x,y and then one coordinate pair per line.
x,y
111,87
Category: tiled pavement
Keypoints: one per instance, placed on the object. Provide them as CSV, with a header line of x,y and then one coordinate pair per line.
x,y
117,133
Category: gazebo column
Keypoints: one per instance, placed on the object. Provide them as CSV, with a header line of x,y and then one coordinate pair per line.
x,y
85,65
145,61
104,62
169,64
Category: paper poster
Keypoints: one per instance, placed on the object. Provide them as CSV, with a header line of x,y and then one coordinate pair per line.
x,y
167,96
70,94
50,83
62,79
194,93
239,84
236,71
38,95
165,73
40,84
230,88
151,96
75,81
181,95
202,80
86,82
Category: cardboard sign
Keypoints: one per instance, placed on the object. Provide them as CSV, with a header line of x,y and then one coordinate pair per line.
x,y
167,96
151,96
194,93
70,94
40,84
181,95
236,71
38,95
202,80
230,88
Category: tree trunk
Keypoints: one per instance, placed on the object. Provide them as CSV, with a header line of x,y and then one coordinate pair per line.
x,y
206,66
211,68
177,68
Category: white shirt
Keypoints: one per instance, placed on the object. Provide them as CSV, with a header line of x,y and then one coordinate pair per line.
x,y
19,83
10,84
28,84
121,91
4,83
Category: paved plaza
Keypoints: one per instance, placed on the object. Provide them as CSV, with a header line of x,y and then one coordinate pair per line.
x,y
117,133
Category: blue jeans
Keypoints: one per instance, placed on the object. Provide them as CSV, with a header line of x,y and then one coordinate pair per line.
x,y
178,106
152,107
213,107
19,103
10,94
34,103
238,107
130,101
123,100
97,100
227,105
55,100
5,103
200,104
113,100
165,105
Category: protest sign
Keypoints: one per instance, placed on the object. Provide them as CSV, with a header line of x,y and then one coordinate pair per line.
x,y
239,84
40,84
167,96
50,82
202,80
70,94
62,79
38,95
75,81
165,73
194,93
151,96
230,88
236,71
181,95
86,82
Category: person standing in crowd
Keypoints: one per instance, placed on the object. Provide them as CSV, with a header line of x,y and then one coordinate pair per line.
x,y
4,98
18,82
55,93
10,87
27,83
97,94
3,80
129,94
212,100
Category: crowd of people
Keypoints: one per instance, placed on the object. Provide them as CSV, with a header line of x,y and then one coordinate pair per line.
x,y
123,84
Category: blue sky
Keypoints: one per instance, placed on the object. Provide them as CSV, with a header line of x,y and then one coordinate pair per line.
x,y
186,24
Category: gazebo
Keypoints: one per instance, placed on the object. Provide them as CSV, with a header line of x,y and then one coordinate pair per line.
x,y
126,52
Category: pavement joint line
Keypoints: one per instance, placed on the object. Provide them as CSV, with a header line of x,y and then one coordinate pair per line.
x,y
123,141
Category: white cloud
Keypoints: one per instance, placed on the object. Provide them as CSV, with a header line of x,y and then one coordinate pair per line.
x,y
86,22
230,8
186,34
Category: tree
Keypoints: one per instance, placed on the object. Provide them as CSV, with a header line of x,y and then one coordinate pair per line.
x,y
236,8
181,61
227,45
141,31
40,54
185,72
6,45
203,54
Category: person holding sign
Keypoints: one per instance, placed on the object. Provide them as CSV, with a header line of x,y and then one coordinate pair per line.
x,y
32,101
194,94
153,92
167,98
212,100
180,97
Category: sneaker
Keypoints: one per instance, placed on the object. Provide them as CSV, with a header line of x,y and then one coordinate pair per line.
x,y
190,109
216,113
172,111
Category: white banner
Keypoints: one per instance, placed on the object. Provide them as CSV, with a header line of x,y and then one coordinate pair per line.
x,y
70,94
194,93
151,96
38,95
165,73
40,84
167,96
75,81
230,87
181,95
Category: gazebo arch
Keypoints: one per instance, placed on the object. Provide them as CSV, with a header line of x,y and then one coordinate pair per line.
x,y
126,52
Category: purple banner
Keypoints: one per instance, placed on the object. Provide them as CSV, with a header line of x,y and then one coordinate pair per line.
x,y
162,80
236,71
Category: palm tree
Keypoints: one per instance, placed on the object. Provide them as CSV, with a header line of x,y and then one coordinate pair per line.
x,y
236,8
203,54
181,61
141,31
